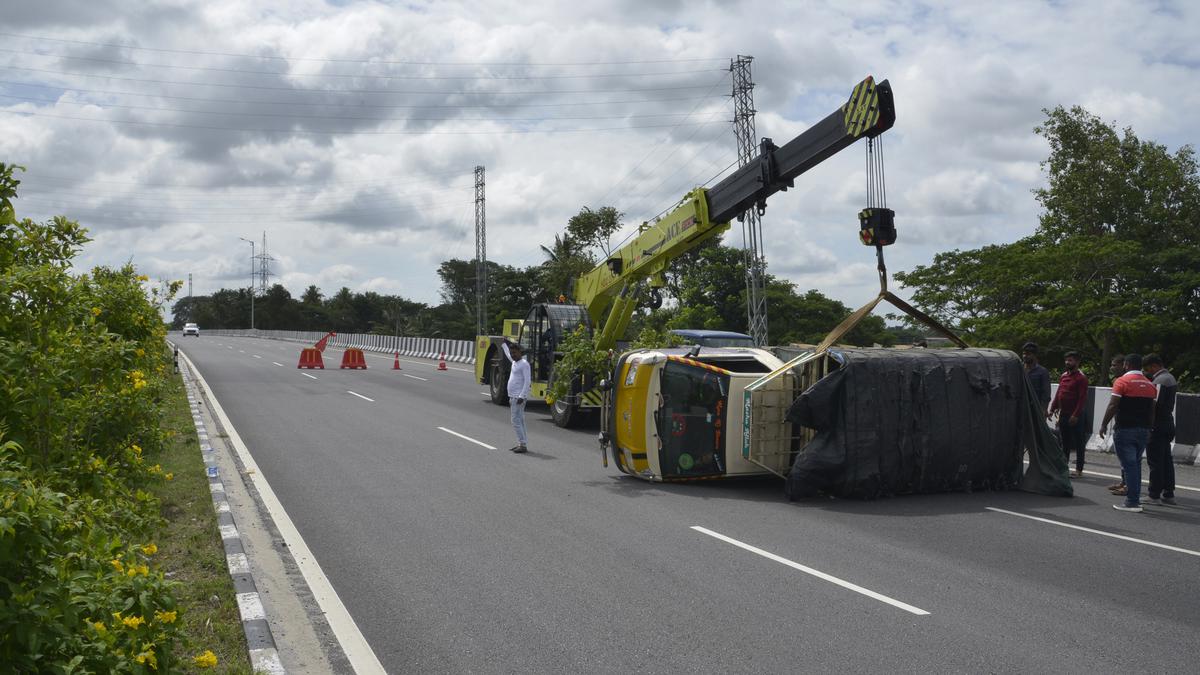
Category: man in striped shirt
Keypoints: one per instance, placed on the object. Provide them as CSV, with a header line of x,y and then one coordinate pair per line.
x,y
1132,404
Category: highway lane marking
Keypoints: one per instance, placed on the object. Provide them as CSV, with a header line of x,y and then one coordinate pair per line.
x,y
420,363
354,393
1144,481
816,573
241,351
467,438
277,363
1099,532
415,377
256,356
229,346
307,375
356,648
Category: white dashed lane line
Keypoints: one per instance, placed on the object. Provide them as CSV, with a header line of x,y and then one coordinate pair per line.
x,y
467,438
256,356
352,393
277,363
1145,481
307,375
415,377
816,573
1102,533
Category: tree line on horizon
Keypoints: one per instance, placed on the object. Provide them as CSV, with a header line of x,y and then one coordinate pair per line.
x,y
1111,268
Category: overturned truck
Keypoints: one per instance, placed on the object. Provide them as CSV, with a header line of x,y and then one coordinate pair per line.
x,y
858,423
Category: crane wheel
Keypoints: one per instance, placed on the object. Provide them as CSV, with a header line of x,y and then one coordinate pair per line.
x,y
498,383
564,413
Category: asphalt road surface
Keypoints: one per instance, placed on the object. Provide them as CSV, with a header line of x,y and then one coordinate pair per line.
x,y
453,557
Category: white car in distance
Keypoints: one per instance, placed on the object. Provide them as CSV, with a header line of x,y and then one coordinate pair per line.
x,y
191,329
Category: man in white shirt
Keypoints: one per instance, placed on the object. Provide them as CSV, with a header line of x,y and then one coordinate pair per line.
x,y
518,390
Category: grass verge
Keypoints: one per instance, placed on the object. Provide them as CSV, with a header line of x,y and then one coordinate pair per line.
x,y
190,549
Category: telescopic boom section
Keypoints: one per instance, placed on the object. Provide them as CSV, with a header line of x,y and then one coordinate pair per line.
x,y
705,213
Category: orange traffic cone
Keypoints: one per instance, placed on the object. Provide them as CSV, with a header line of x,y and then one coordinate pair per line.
x,y
396,365
442,361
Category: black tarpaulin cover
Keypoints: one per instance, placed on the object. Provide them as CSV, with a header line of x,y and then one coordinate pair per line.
x,y
924,420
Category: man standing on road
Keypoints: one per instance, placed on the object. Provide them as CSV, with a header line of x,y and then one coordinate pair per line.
x,y
1069,402
1132,403
1158,450
1038,376
518,391
1115,370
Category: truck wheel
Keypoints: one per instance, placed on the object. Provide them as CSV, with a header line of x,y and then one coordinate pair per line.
x,y
564,413
498,384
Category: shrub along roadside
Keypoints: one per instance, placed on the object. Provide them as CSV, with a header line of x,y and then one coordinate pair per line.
x,y
84,386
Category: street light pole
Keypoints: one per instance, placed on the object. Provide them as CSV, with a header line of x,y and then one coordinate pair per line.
x,y
251,242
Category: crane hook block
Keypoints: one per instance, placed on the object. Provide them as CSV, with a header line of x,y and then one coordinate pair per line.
x,y
877,227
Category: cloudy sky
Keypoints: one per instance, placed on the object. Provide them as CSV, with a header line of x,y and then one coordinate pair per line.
x,y
348,131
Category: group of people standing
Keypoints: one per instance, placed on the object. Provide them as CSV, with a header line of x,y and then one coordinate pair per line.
x,y
1142,405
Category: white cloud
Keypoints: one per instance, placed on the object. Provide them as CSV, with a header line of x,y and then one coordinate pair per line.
x,y
360,187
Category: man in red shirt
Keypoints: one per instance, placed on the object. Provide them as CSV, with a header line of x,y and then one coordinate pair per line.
x,y
1069,402
1132,404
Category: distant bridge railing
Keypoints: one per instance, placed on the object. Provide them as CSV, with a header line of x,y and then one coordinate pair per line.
x,y
458,351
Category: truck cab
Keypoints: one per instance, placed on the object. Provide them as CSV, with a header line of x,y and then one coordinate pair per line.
x,y
668,412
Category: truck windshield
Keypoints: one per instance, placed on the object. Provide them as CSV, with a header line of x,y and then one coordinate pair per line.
x,y
691,421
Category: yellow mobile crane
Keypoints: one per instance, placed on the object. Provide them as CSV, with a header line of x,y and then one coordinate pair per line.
x,y
605,296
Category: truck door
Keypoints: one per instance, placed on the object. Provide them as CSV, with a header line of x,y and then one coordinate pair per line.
x,y
533,340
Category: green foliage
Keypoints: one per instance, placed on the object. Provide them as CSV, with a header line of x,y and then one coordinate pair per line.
x,y
593,229
82,375
581,361
1112,265
651,337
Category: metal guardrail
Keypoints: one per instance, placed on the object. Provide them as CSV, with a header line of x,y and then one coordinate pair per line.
x,y
457,351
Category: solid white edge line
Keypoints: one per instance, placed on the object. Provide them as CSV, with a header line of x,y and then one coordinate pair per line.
x,y
307,375
1099,532
816,573
354,393
467,438
415,377
362,658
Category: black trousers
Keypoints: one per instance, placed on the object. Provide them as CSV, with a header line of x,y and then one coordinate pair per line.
x,y
1072,439
1162,467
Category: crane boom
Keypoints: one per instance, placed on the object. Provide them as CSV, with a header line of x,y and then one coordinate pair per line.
x,y
704,213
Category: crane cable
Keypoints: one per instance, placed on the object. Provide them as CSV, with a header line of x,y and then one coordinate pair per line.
x,y
877,199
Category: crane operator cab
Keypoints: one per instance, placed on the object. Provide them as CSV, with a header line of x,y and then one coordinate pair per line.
x,y
668,417
545,328
540,335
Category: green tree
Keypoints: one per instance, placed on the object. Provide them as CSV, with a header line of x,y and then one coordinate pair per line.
x,y
1111,267
593,229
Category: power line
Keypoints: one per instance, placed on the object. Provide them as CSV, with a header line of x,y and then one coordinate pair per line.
x,y
428,92
436,177
327,60
243,71
655,148
306,132
218,201
298,213
242,101
337,117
